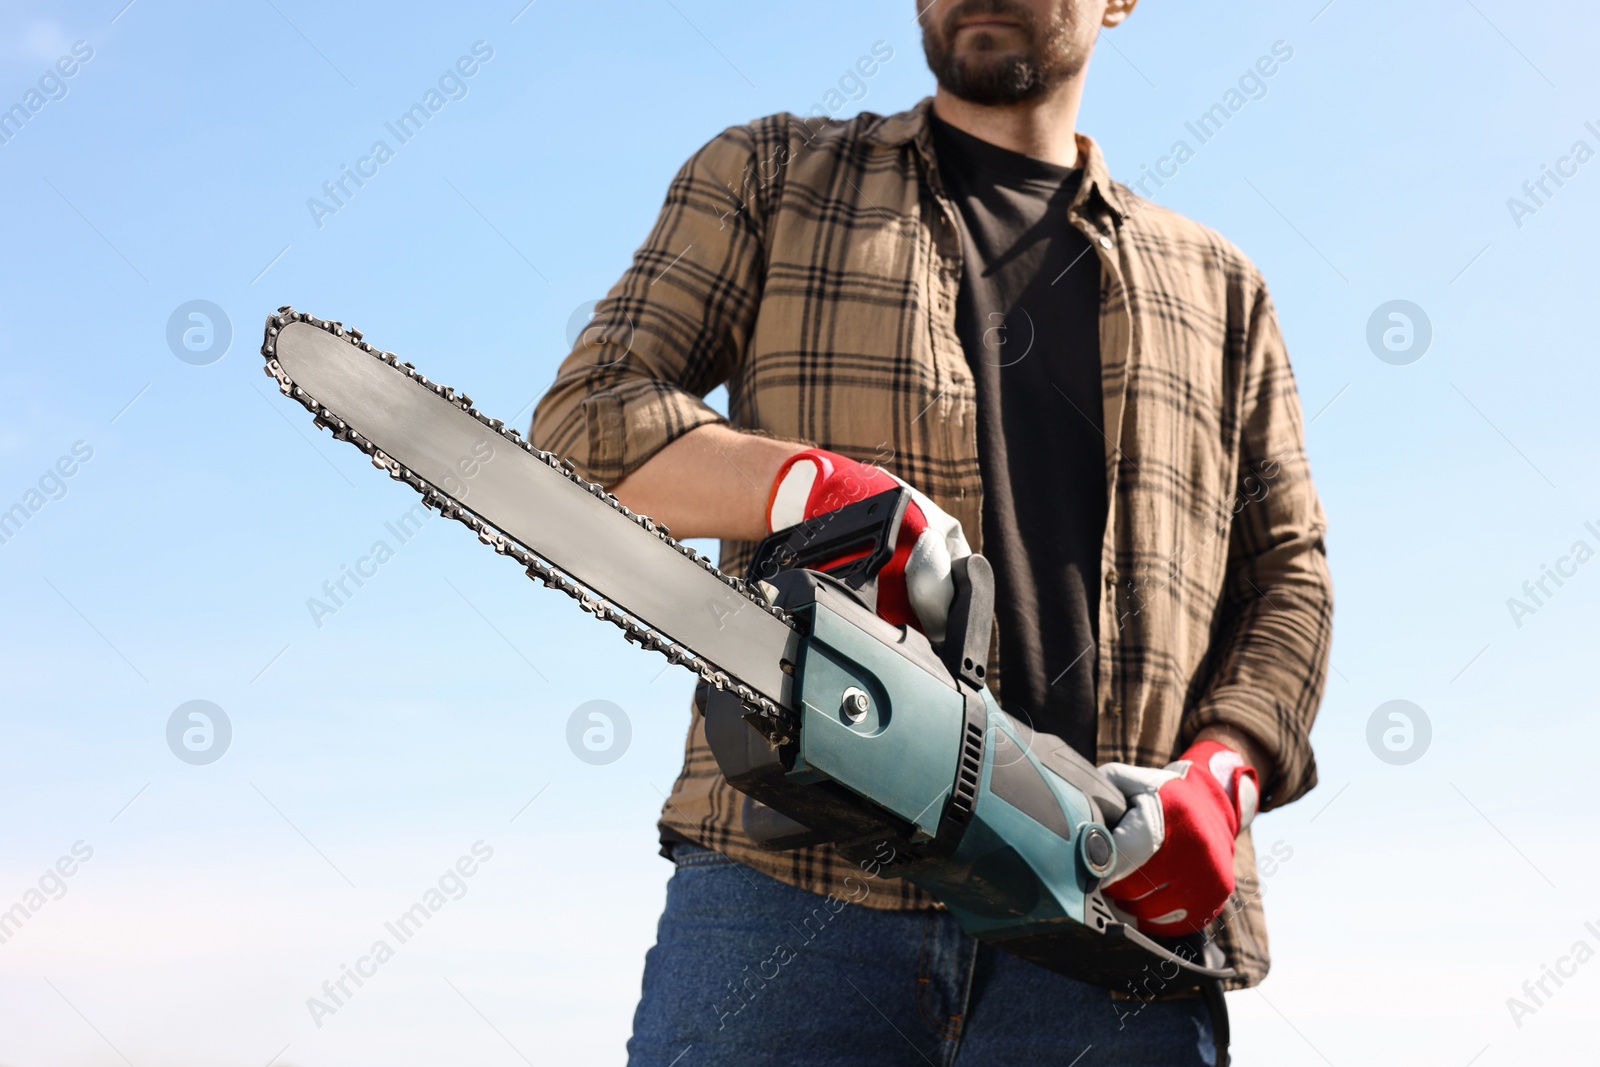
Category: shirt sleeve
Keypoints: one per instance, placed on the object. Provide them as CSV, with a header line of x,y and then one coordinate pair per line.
x,y
1269,651
673,328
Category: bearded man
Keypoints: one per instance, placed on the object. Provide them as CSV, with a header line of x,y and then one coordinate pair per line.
x,y
1086,387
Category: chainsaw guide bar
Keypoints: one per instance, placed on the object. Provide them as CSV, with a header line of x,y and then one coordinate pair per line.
x,y
568,533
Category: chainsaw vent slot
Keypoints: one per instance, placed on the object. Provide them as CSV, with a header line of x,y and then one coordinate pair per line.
x,y
968,773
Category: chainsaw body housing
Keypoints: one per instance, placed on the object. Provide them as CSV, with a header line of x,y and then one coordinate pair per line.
x,y
908,766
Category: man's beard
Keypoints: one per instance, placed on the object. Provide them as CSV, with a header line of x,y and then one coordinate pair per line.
x,y
985,74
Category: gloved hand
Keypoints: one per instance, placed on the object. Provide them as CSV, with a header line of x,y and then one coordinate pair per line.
x,y
915,586
1175,843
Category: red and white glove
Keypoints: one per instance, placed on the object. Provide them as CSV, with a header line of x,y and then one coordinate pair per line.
x,y
915,587
1175,842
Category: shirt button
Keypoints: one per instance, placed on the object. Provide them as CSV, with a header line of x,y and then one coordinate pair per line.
x,y
1105,242
1116,708
1111,578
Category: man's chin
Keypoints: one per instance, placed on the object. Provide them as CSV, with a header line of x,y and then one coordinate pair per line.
x,y
992,78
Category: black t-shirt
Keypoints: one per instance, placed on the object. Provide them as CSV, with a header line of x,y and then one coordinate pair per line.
x,y
1029,319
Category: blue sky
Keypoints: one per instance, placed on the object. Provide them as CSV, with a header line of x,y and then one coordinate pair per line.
x,y
369,753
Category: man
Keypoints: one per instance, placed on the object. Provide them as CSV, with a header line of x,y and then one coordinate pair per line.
x,y
1085,387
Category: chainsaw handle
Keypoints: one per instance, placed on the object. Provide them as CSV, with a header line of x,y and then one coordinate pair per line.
x,y
851,543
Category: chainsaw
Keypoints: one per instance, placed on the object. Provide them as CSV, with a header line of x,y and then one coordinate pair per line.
x,y
837,726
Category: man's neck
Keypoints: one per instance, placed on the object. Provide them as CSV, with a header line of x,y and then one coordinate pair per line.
x,y
1044,128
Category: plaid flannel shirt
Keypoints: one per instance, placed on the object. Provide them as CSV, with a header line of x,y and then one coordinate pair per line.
x,y
813,267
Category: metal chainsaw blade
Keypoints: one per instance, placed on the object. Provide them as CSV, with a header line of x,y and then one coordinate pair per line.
x,y
528,504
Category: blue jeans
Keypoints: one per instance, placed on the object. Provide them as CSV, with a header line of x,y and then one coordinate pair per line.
x,y
747,970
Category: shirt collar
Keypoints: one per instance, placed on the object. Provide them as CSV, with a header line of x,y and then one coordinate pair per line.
x,y
912,127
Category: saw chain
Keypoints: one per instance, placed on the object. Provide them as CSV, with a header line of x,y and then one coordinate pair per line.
x,y
775,723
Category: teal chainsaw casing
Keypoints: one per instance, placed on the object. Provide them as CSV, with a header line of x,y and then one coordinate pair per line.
x,y
876,720
903,744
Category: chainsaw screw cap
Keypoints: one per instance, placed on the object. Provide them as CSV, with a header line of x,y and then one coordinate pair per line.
x,y
855,704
